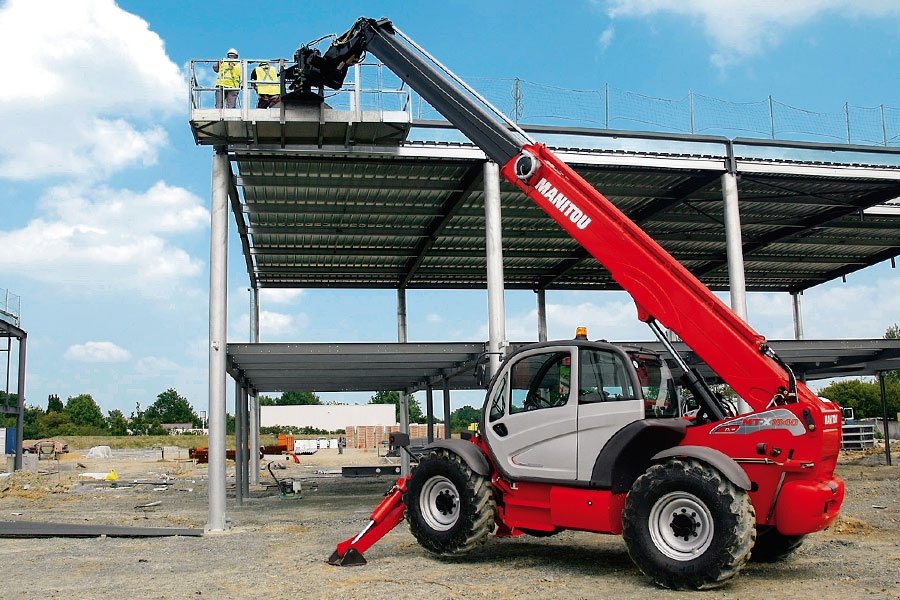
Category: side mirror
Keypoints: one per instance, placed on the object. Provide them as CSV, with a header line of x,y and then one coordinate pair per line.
x,y
399,440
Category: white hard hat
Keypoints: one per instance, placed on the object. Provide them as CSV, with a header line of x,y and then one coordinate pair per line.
x,y
232,51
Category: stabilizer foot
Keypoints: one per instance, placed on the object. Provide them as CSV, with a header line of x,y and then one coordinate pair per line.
x,y
351,558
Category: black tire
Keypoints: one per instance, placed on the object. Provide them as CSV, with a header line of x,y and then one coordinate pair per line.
x,y
687,526
772,546
449,507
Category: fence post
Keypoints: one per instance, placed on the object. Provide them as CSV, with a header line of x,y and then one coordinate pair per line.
x,y
691,97
771,116
847,115
606,103
883,125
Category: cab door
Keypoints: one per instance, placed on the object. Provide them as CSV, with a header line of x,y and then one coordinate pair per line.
x,y
532,425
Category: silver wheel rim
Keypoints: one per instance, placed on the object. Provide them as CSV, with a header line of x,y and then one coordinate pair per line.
x,y
439,502
681,526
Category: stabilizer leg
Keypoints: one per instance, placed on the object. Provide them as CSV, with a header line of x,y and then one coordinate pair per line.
x,y
387,515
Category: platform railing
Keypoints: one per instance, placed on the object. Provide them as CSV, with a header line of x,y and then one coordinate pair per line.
x,y
369,87
10,306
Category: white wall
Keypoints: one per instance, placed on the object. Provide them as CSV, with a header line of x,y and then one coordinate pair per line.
x,y
328,417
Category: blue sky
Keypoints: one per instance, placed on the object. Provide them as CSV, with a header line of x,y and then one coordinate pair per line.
x,y
104,223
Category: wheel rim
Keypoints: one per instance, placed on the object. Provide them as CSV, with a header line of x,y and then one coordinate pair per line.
x,y
439,502
681,526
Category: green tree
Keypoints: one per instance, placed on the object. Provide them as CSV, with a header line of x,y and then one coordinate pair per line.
x,y
31,423
54,404
415,411
137,423
892,333
170,407
84,412
462,417
864,397
117,423
293,399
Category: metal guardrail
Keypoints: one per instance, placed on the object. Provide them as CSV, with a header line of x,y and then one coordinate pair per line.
x,y
369,86
10,306
857,436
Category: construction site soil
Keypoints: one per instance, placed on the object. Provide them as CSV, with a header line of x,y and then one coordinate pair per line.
x,y
276,547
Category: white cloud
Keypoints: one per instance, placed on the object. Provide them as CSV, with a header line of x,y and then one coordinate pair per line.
x,y
98,237
273,326
740,28
606,38
97,352
95,76
153,365
279,295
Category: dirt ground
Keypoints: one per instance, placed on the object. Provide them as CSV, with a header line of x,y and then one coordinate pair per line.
x,y
276,548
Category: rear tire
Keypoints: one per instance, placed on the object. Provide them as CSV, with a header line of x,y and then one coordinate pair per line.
x,y
687,526
449,507
772,546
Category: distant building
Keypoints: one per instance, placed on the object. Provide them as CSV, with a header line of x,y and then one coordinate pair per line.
x,y
328,417
178,428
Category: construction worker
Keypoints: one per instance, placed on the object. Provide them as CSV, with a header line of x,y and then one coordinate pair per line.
x,y
228,84
264,80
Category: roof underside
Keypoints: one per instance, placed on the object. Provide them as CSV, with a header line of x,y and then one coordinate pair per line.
x,y
415,219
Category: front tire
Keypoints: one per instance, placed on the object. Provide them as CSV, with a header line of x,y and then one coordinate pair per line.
x,y
687,526
449,507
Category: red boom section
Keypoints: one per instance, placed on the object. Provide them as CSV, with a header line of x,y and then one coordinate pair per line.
x,y
660,286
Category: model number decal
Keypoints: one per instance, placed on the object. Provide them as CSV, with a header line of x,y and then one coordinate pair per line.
x,y
779,418
831,419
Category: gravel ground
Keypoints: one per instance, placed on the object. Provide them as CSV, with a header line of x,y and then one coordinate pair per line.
x,y
276,548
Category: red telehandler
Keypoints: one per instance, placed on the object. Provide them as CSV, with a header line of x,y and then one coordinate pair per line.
x,y
588,436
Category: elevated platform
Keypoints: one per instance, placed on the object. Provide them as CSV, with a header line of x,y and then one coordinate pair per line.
x,y
300,125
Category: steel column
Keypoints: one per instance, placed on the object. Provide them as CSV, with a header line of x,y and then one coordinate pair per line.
x,y
429,411
446,408
245,454
798,316
218,301
239,443
404,402
494,251
542,314
20,391
254,396
733,245
884,414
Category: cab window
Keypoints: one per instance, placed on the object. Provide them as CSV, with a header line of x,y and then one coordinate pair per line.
x,y
540,381
657,387
604,377
498,402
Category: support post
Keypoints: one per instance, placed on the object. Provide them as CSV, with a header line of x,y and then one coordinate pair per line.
x,y
254,396
798,316
429,411
542,314
218,281
734,245
239,443
245,436
446,408
20,392
404,401
494,251
887,433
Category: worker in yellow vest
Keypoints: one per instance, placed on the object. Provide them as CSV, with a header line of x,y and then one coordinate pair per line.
x,y
264,80
228,84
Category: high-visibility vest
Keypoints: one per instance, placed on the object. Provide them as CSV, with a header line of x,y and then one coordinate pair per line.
x,y
266,73
229,74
